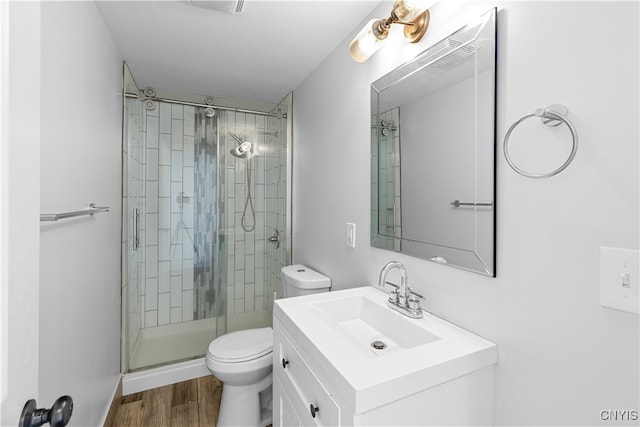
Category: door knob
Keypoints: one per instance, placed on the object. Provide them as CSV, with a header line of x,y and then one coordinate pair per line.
x,y
58,416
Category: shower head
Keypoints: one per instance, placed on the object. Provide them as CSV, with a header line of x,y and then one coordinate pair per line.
x,y
242,150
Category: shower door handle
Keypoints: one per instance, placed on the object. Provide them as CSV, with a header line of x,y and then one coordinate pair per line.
x,y
136,229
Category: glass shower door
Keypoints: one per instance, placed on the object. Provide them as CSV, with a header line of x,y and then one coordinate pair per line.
x,y
278,200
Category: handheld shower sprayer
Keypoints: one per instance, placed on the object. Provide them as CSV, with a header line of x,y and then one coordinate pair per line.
x,y
242,151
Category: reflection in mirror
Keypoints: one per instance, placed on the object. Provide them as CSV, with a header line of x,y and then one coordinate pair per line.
x,y
433,152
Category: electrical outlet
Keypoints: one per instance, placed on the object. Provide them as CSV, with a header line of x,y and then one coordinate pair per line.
x,y
619,279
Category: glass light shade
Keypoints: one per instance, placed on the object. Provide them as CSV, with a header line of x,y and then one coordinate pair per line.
x,y
366,43
408,10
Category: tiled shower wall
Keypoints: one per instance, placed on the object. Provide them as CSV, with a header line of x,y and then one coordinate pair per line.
x,y
168,164
245,260
167,225
386,177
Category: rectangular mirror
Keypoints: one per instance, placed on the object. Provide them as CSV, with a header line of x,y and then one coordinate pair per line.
x,y
433,152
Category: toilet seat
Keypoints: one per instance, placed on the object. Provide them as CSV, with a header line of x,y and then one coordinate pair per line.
x,y
241,346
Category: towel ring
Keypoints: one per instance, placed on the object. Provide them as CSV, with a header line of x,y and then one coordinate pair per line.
x,y
553,115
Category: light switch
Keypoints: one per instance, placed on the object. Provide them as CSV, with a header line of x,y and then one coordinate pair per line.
x,y
619,279
350,237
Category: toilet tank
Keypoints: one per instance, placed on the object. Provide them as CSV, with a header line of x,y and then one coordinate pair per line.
x,y
301,280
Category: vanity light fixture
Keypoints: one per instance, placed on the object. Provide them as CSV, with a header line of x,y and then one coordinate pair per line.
x,y
413,14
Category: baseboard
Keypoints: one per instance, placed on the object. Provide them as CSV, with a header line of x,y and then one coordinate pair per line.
x,y
165,375
110,416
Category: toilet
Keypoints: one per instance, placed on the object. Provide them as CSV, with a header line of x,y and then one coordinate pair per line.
x,y
243,360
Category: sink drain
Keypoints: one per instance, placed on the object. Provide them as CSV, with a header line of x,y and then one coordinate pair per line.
x,y
378,345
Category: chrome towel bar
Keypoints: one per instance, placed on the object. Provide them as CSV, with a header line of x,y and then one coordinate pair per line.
x,y
92,209
458,203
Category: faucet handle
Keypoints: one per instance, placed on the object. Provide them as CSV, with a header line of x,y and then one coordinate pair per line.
x,y
393,295
413,303
416,295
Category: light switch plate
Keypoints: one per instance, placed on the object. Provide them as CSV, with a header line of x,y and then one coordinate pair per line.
x,y
350,236
619,279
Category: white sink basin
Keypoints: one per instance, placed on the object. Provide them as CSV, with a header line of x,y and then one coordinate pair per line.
x,y
337,329
365,324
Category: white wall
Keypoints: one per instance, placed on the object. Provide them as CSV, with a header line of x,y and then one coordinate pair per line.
x,y
562,357
80,147
20,206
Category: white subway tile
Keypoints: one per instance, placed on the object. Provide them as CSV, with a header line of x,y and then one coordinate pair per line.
x,y
164,245
188,150
239,255
189,120
164,276
151,229
187,274
176,189
176,229
249,302
164,181
164,214
151,294
188,216
164,156
150,319
187,245
151,167
152,132
151,196
151,261
176,291
239,281
259,198
177,111
164,309
231,306
176,260
176,166
187,306
187,182
249,270
176,135
259,281
165,117
176,314
238,306
260,304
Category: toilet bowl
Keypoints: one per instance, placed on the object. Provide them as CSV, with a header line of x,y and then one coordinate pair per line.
x,y
243,360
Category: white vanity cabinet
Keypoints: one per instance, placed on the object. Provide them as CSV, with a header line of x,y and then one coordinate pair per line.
x,y
321,377
300,398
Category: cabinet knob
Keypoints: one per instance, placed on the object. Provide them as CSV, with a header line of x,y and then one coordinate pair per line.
x,y
285,362
314,410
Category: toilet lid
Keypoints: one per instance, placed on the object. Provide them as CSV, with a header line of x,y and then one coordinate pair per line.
x,y
243,345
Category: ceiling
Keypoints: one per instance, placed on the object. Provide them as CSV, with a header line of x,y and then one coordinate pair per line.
x,y
260,54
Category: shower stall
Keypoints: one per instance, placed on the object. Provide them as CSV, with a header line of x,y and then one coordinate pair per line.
x,y
206,222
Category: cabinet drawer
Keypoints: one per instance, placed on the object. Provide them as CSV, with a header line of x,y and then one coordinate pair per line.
x,y
292,368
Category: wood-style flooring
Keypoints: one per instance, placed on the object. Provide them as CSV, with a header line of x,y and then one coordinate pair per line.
x,y
193,403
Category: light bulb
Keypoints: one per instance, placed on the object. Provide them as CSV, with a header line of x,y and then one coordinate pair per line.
x,y
408,10
366,43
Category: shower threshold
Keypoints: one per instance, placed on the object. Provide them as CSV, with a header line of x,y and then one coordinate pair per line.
x,y
167,344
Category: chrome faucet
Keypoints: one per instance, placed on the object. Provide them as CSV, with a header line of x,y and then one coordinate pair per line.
x,y
402,299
